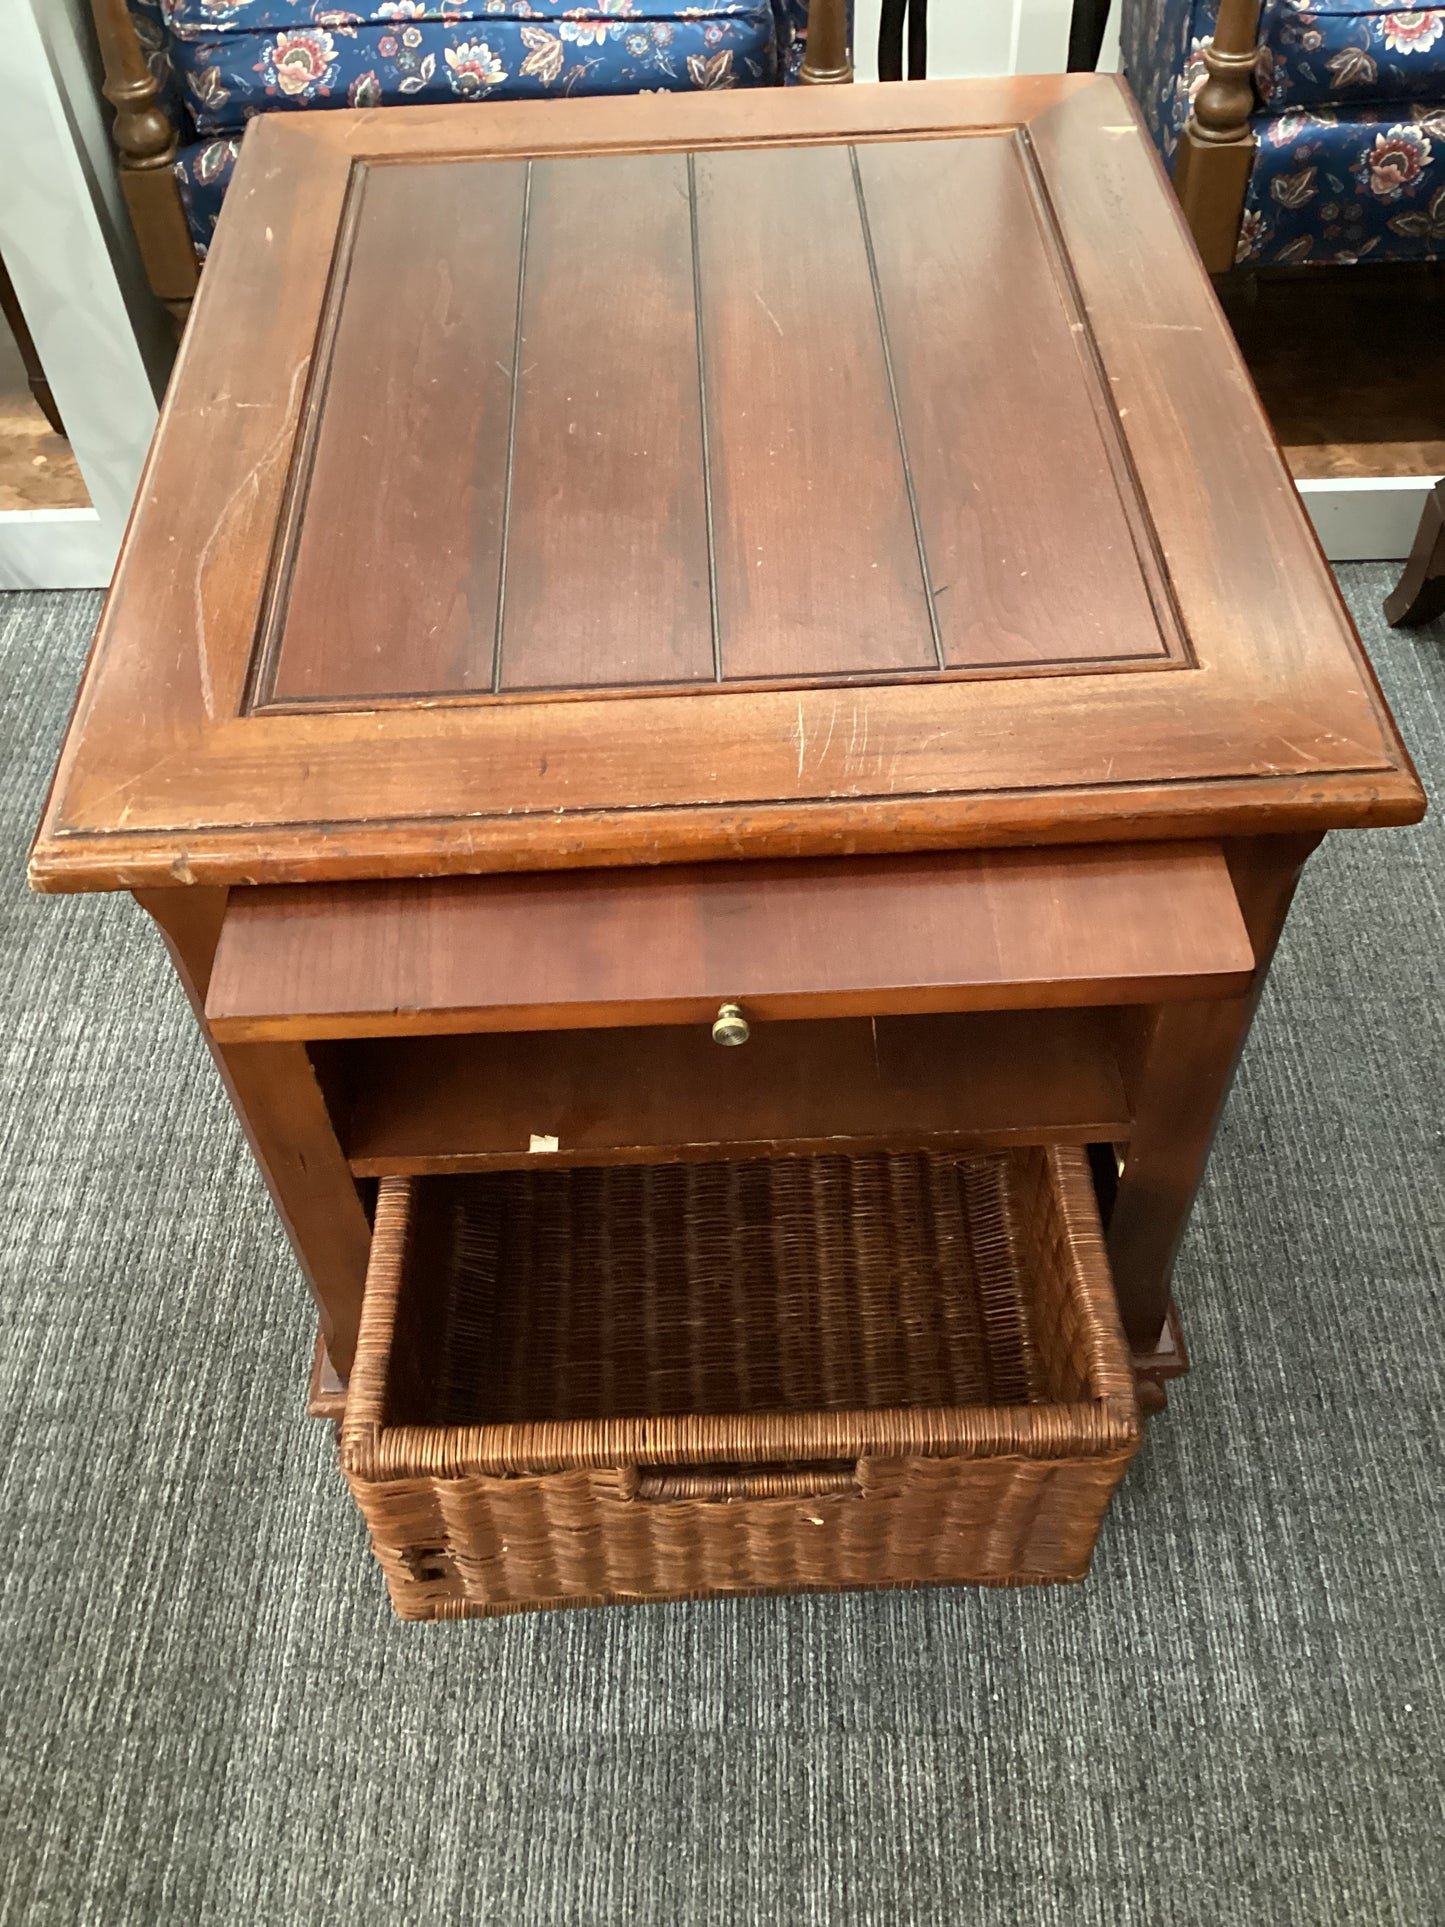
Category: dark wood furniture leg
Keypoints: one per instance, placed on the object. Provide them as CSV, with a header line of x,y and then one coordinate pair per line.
x,y
24,341
146,143
918,39
1178,1065
1087,25
826,59
1216,149
1419,596
903,23
283,1113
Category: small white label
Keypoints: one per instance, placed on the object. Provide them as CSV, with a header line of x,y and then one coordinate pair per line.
x,y
541,1143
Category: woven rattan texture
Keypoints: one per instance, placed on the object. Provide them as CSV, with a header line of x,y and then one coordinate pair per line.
x,y
893,1370
771,1285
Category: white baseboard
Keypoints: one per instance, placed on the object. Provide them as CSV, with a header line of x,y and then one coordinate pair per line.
x,y
1367,518
55,549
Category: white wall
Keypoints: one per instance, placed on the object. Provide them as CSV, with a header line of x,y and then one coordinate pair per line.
x,y
72,257
968,37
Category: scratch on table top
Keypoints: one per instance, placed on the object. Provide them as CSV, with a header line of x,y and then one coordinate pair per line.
x,y
857,746
250,480
832,718
92,804
757,296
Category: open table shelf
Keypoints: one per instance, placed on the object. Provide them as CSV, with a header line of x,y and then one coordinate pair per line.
x,y
413,1106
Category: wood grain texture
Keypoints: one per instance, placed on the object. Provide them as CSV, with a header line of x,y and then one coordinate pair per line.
x,y
817,562
288,1124
283,1111
607,552
967,348
1273,724
393,584
991,930
1179,1062
629,1096
1216,145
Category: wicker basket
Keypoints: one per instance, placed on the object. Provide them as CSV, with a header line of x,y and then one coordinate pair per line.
x,y
575,1387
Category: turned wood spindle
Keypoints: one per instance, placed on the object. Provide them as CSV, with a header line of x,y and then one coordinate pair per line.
x,y
826,60
1216,149
146,143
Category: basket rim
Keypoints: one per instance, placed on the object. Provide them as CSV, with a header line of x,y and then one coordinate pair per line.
x,y
1107,1424
1091,1428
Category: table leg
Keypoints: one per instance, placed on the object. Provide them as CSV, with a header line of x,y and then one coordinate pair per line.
x,y
283,1112
1419,596
1179,1062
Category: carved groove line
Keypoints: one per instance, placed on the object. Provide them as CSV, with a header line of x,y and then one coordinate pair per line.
x,y
260,685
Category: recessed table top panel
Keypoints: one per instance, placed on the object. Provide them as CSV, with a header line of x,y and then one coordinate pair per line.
x,y
622,481
706,417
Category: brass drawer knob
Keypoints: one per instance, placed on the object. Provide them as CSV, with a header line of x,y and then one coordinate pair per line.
x,y
730,1026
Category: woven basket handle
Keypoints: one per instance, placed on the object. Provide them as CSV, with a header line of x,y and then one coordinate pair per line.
x,y
722,1483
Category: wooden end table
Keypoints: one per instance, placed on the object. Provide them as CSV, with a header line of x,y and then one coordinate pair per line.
x,y
812,552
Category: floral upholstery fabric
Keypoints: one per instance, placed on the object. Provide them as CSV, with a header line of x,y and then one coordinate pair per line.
x,y
1350,50
150,30
1345,187
204,170
1158,53
1353,167
265,56
221,62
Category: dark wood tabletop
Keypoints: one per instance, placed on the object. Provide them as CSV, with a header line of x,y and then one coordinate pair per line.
x,y
782,474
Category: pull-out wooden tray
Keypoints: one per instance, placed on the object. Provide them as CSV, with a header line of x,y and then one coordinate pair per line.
x,y
974,930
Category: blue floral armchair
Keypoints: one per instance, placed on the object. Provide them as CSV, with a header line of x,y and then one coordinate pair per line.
x,y
187,75
1342,124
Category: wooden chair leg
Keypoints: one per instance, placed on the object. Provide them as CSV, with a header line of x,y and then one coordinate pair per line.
x,y
1419,596
826,60
1216,149
146,142
1087,25
34,373
892,20
918,39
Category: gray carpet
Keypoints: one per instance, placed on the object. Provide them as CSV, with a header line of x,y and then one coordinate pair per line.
x,y
210,1716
